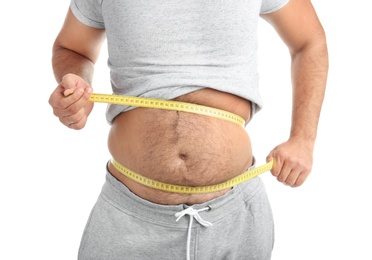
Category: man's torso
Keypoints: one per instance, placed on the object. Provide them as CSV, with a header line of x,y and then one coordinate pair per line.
x,y
182,148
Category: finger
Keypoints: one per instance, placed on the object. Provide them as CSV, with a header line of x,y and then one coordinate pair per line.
x,y
298,173
79,111
56,96
301,179
71,82
277,162
80,124
271,155
277,167
73,118
284,172
72,98
81,92
71,105
68,92
59,102
292,178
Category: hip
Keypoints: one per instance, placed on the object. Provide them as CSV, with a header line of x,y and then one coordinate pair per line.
x,y
244,213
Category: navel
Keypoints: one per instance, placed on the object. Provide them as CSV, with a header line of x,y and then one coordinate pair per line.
x,y
183,156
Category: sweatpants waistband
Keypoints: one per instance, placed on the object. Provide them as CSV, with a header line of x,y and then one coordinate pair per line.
x,y
123,199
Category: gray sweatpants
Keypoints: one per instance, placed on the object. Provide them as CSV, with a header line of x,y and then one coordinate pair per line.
x,y
238,225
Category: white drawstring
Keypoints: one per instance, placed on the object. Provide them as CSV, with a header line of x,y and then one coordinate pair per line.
x,y
193,213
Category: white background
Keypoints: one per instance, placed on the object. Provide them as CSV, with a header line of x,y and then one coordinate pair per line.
x,y
51,175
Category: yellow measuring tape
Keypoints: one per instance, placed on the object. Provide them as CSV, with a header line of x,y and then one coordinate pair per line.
x,y
167,105
184,107
190,189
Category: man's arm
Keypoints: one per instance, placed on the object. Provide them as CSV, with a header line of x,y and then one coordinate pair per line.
x,y
300,29
75,51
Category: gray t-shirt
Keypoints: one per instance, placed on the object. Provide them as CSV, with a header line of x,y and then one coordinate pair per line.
x,y
168,48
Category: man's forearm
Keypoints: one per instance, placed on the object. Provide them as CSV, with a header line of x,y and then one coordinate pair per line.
x,y
309,76
65,61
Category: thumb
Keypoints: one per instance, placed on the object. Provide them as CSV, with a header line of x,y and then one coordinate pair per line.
x,y
271,155
71,83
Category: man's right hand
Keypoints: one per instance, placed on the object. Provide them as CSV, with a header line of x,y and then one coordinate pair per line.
x,y
70,101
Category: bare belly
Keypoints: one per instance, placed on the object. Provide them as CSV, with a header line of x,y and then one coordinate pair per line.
x,y
181,148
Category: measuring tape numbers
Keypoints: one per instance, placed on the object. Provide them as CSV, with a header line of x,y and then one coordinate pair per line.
x,y
167,105
184,107
191,189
